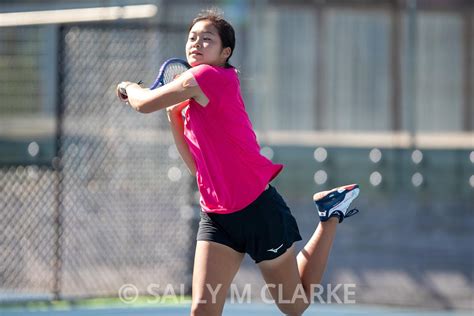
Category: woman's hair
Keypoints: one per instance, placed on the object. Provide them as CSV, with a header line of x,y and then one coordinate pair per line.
x,y
225,30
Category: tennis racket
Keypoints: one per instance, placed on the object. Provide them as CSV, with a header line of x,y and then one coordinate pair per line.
x,y
169,70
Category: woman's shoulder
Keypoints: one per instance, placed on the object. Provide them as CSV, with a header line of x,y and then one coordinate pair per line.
x,y
211,72
213,68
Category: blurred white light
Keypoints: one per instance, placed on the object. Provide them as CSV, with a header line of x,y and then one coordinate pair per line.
x,y
416,156
33,149
77,15
32,172
19,171
471,156
375,178
375,155
320,154
174,174
267,152
320,177
471,181
92,186
173,152
417,179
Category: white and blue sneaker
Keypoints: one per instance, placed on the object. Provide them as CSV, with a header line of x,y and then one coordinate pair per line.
x,y
335,202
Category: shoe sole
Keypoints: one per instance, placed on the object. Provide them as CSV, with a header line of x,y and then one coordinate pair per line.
x,y
345,189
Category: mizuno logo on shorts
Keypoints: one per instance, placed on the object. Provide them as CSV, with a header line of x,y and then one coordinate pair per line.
x,y
276,249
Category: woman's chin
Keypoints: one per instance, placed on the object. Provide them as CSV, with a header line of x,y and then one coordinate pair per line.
x,y
195,60
194,63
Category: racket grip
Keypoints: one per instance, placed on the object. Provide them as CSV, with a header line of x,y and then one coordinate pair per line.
x,y
123,90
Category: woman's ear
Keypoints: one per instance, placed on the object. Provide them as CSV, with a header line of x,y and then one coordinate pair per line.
x,y
226,52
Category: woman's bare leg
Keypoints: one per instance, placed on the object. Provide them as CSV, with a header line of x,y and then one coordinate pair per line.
x,y
313,258
291,280
215,266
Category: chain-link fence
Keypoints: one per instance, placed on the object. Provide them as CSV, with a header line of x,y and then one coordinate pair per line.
x,y
331,92
115,207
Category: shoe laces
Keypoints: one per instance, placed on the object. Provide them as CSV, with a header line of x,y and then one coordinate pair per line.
x,y
354,211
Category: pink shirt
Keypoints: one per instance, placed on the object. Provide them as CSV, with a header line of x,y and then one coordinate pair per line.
x,y
231,172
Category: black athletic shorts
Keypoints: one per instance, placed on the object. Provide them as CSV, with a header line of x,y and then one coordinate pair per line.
x,y
265,229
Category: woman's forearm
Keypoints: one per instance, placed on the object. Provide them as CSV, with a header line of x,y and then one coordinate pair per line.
x,y
146,101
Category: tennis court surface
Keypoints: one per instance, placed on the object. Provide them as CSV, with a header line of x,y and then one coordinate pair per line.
x,y
230,310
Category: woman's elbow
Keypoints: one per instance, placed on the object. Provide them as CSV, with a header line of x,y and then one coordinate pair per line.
x,y
141,107
148,107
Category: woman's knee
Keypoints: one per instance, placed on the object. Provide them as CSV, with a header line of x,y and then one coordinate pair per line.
x,y
296,308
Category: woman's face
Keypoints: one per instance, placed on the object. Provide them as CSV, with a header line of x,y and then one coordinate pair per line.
x,y
204,46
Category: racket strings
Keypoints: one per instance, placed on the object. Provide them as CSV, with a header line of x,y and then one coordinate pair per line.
x,y
172,72
169,71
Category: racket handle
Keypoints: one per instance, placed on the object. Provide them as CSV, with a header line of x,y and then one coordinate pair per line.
x,y
123,91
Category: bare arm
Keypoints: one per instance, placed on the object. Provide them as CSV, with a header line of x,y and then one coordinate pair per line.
x,y
146,101
177,128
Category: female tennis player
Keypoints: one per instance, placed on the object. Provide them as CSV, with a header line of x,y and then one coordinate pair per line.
x,y
241,212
